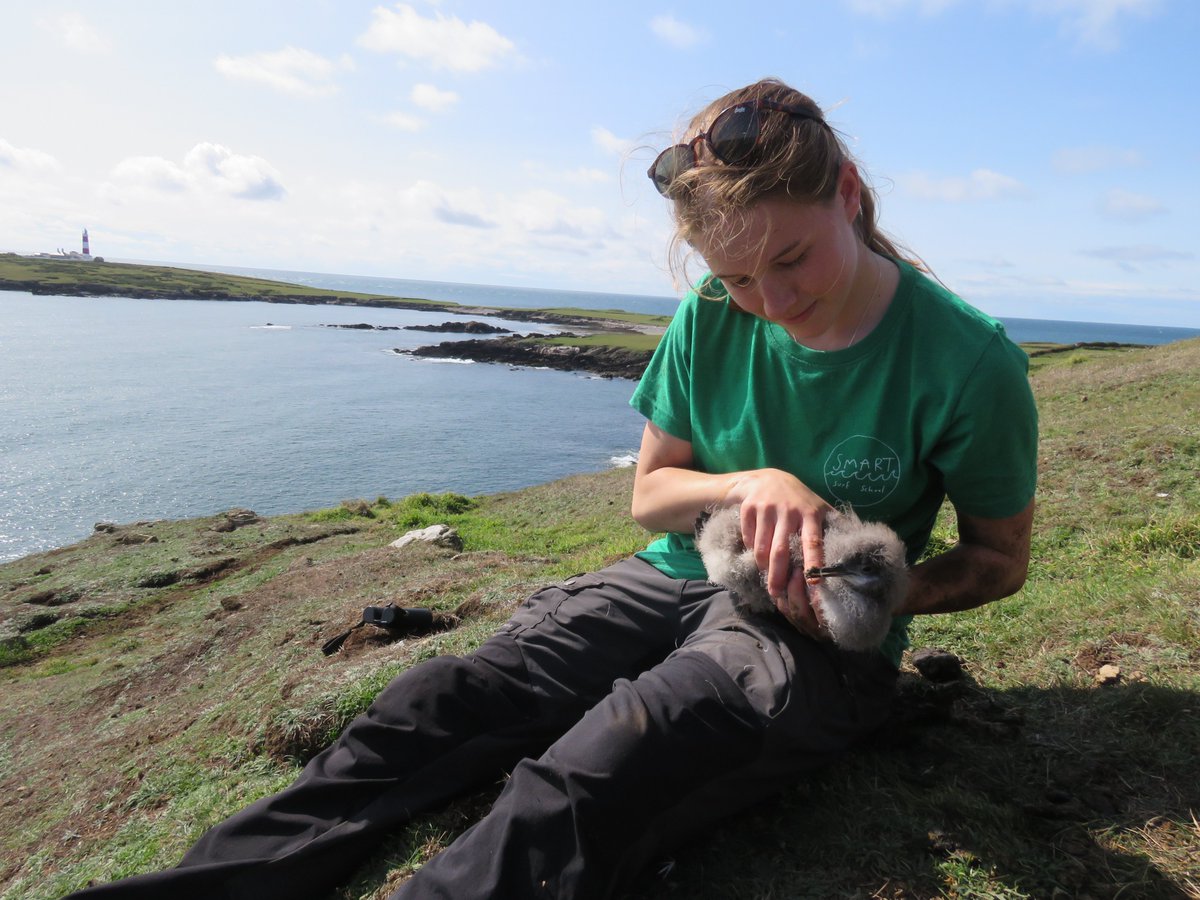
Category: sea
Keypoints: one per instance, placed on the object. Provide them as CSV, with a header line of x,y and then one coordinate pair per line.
x,y
123,410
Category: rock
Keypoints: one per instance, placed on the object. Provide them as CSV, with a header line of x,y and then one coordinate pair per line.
x,y
1108,674
38,621
236,518
438,535
937,665
159,579
469,327
134,538
105,527
209,570
54,597
606,361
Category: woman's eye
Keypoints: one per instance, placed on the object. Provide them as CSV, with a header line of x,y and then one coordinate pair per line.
x,y
743,281
793,263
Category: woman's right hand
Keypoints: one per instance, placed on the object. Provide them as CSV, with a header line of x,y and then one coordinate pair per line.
x,y
774,506
669,493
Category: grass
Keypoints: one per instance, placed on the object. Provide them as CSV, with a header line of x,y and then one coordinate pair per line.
x,y
130,279
645,342
167,708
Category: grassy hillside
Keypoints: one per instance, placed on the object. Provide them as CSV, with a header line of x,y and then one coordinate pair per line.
x,y
43,275
160,675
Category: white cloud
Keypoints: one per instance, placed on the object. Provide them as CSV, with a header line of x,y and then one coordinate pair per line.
x,y
982,184
404,121
207,168
678,34
462,208
587,175
1133,258
152,172
427,96
1121,204
445,42
247,177
75,32
887,8
291,70
549,214
25,159
1083,160
1093,23
583,175
610,143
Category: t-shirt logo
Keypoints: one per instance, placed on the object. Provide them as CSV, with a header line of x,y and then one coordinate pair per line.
x,y
862,471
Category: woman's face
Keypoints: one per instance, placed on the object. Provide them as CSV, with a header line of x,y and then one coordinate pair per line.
x,y
797,265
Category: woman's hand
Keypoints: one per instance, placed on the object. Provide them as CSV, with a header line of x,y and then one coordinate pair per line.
x,y
668,495
774,506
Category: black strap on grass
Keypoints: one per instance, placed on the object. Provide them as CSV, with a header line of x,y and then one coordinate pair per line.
x,y
393,618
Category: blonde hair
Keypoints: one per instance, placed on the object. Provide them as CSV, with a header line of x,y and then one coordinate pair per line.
x,y
795,157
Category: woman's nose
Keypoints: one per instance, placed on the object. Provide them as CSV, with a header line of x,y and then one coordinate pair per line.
x,y
776,297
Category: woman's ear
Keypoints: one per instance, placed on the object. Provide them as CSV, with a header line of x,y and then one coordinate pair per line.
x,y
849,190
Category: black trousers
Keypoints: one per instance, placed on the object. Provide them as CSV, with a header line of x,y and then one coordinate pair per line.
x,y
632,709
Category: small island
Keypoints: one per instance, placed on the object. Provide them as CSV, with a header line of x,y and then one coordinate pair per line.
x,y
565,352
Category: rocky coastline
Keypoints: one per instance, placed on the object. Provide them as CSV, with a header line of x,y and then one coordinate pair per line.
x,y
469,327
611,343
512,350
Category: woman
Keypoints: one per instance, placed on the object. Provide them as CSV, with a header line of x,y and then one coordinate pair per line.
x,y
636,705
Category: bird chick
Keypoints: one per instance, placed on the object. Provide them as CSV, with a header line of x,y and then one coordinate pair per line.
x,y
861,585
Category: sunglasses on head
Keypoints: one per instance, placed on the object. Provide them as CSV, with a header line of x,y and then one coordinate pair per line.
x,y
731,138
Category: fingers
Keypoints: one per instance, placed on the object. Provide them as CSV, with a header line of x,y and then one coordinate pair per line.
x,y
812,542
767,531
801,607
776,508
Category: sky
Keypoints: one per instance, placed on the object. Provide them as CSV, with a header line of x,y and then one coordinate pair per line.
x,y
1042,156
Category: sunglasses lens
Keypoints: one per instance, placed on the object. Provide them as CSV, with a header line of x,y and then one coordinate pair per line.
x,y
734,133
671,163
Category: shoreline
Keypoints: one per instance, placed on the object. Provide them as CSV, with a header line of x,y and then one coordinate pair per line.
x,y
74,278
601,349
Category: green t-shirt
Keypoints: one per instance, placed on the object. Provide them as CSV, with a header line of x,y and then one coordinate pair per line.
x,y
935,402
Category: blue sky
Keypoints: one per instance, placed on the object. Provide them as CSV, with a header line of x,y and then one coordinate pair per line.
x,y
1041,155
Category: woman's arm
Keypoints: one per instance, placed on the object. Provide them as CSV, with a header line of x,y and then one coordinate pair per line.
x,y
990,561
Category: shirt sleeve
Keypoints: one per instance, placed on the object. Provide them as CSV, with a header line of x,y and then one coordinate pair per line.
x,y
988,457
664,393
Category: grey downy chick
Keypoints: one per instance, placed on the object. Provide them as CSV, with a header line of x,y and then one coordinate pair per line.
x,y
861,585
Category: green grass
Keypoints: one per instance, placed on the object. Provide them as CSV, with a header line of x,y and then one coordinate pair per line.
x,y
166,709
645,342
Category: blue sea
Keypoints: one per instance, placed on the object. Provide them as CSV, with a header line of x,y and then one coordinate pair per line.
x,y
121,410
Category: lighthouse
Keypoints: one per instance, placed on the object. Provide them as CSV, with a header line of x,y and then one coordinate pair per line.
x,y
86,251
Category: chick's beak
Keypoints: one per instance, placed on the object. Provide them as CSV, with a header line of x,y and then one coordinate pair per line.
x,y
826,571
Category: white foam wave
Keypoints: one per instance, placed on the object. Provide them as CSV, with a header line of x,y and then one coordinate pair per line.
x,y
624,461
445,359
